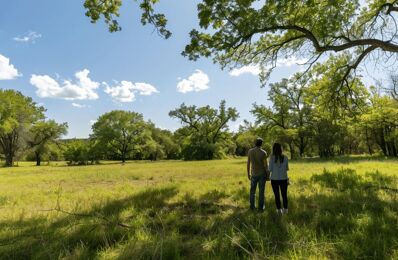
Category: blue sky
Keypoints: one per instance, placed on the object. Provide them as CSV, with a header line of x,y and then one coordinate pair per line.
x,y
50,51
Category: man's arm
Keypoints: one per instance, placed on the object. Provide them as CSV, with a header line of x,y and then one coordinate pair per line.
x,y
271,164
266,162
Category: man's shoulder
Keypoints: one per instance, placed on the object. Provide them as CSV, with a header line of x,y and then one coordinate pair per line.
x,y
263,151
251,150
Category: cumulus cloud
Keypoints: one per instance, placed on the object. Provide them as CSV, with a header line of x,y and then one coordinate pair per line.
x,y
7,70
249,69
256,69
77,105
126,90
83,89
198,81
28,37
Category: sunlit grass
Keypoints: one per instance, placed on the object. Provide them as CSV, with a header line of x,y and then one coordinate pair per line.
x,y
345,208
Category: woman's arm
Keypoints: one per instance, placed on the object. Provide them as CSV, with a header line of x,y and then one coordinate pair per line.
x,y
287,164
271,164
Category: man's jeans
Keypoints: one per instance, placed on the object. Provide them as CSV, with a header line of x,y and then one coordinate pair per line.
x,y
261,187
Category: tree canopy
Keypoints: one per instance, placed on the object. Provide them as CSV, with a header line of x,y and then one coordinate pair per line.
x,y
204,128
242,32
120,132
17,114
42,134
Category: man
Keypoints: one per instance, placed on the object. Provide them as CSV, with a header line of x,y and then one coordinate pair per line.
x,y
257,170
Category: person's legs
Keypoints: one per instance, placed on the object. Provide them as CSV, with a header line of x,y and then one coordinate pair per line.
x,y
275,189
253,185
284,193
261,189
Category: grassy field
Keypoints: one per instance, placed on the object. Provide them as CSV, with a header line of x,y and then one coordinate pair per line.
x,y
342,209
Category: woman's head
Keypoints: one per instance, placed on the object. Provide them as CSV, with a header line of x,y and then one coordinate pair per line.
x,y
277,152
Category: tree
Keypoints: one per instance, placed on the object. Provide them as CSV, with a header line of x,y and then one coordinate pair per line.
x,y
162,145
381,120
121,132
204,129
42,134
290,112
242,32
17,114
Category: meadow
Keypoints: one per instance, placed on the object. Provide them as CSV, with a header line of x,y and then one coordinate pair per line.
x,y
340,209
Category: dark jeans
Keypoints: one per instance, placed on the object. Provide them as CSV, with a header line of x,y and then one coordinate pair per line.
x,y
260,180
282,185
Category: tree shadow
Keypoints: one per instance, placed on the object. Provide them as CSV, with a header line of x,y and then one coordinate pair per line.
x,y
359,212
146,225
346,159
354,213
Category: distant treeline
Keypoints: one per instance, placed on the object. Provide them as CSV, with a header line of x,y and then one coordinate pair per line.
x,y
305,118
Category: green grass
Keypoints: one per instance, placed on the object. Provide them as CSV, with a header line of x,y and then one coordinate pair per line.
x,y
341,209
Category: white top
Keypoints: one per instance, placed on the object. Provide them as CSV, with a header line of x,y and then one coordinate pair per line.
x,y
278,170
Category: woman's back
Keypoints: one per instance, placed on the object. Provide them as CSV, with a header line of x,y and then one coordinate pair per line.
x,y
278,169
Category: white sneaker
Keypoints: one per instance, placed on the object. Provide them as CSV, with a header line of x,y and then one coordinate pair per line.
x,y
285,211
279,211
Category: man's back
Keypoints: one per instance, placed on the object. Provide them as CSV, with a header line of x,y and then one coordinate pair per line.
x,y
257,157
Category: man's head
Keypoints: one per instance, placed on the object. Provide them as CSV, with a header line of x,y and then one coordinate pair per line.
x,y
259,142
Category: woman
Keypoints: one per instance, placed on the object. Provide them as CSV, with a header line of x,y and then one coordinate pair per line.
x,y
278,165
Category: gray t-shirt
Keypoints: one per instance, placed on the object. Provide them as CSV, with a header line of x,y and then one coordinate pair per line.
x,y
278,170
258,160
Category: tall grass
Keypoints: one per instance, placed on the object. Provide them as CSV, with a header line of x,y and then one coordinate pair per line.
x,y
343,209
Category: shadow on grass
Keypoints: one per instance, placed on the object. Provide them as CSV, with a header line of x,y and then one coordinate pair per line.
x,y
354,214
347,159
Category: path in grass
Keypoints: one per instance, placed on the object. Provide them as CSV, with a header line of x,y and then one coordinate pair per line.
x,y
341,209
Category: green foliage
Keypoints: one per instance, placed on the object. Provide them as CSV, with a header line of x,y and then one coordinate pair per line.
x,y
121,133
77,152
42,134
161,145
204,133
381,119
109,9
17,115
245,32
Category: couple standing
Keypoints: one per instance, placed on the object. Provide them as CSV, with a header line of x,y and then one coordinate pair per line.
x,y
258,173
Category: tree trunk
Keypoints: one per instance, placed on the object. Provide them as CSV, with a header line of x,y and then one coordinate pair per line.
x,y
38,159
394,149
9,160
291,147
302,146
383,142
368,142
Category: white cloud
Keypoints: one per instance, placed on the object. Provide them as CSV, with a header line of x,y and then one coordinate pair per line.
x,y
256,69
198,81
77,105
144,89
7,70
28,37
83,89
252,69
126,90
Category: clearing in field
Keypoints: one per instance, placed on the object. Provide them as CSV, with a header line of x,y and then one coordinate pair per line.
x,y
171,209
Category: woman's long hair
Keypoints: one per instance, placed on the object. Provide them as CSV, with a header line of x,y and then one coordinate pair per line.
x,y
277,152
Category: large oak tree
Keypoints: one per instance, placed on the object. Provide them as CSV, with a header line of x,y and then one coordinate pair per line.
x,y
17,115
121,132
242,32
203,128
